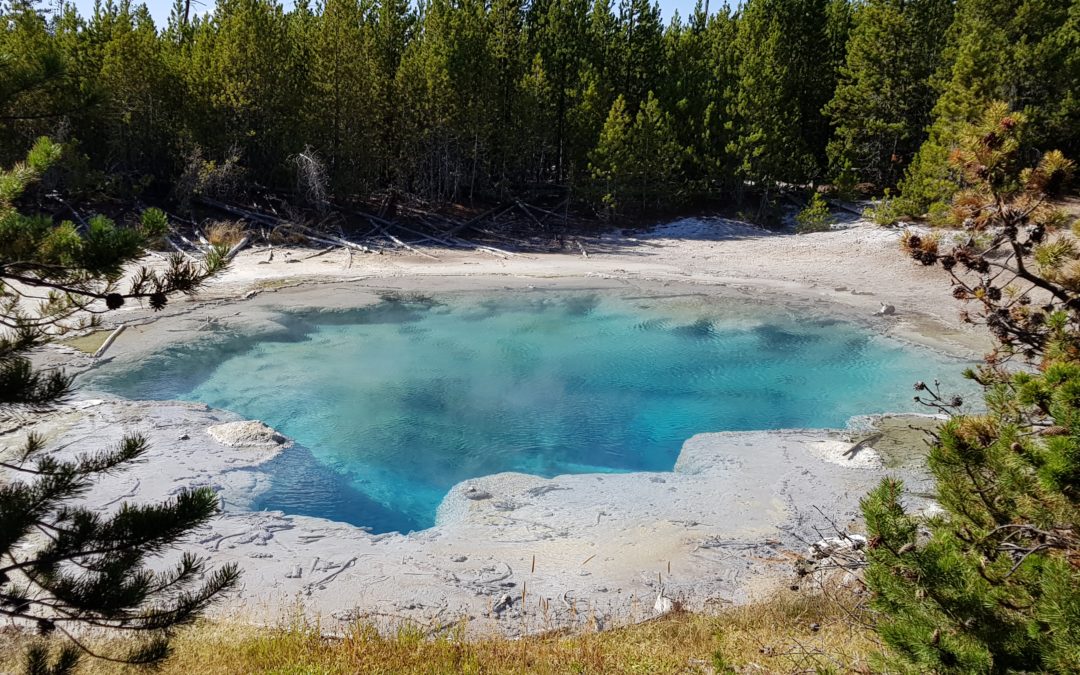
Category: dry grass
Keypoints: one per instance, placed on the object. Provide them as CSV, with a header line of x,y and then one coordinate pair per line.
x,y
88,343
225,233
791,632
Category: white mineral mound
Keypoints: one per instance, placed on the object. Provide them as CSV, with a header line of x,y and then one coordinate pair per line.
x,y
246,433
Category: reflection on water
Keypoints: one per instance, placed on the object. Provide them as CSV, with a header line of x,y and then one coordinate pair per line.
x,y
394,404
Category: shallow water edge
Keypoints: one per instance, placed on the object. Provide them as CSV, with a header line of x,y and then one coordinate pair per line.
x,y
393,404
725,522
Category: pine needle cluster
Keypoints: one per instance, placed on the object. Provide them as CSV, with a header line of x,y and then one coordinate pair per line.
x,y
65,567
992,582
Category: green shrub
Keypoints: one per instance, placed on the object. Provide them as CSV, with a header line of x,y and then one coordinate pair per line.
x,y
886,212
816,217
991,584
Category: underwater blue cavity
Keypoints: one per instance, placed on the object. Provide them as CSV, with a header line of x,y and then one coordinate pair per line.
x,y
392,405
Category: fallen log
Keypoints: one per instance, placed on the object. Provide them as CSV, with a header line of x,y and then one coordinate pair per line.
x,y
383,226
340,242
493,212
496,251
524,209
401,243
109,340
322,252
427,237
454,242
236,249
320,237
547,213
843,207
242,212
177,247
189,242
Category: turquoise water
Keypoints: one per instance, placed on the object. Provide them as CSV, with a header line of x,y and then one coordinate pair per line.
x,y
394,404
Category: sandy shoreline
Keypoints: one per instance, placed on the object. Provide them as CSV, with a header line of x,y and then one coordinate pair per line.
x,y
518,553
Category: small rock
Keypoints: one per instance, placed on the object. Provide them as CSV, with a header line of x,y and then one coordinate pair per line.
x,y
815,627
459,558
832,545
504,602
476,495
183,437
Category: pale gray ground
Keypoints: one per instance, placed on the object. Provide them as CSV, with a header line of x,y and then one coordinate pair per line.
x,y
723,527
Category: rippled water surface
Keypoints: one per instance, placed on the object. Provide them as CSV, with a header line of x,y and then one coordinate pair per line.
x,y
392,405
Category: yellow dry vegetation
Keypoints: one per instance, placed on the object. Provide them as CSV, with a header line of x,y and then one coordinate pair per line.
x,y
791,632
225,233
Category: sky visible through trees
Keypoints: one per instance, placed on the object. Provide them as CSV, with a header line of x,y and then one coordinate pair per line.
x,y
159,9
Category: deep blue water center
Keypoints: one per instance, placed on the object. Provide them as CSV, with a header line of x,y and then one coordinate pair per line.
x,y
392,405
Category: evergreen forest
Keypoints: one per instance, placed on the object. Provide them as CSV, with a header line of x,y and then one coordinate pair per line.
x,y
472,100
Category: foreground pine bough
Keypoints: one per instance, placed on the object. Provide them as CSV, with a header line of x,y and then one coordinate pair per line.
x,y
992,584
64,567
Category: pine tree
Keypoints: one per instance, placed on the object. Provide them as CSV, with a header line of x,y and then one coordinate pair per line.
x,y
64,565
140,98
717,144
636,163
610,161
37,85
1020,51
394,25
247,83
882,105
782,88
507,48
992,584
640,50
601,73
343,85
558,35
815,217
443,83
695,89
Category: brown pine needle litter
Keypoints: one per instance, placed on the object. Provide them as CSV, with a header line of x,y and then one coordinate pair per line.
x,y
790,632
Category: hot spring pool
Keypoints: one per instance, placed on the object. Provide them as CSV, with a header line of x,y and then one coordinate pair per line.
x,y
391,405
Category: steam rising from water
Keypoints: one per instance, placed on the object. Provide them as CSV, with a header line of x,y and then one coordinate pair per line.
x,y
394,404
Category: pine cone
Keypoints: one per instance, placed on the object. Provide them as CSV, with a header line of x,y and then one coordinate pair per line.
x,y
1054,431
158,301
114,301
